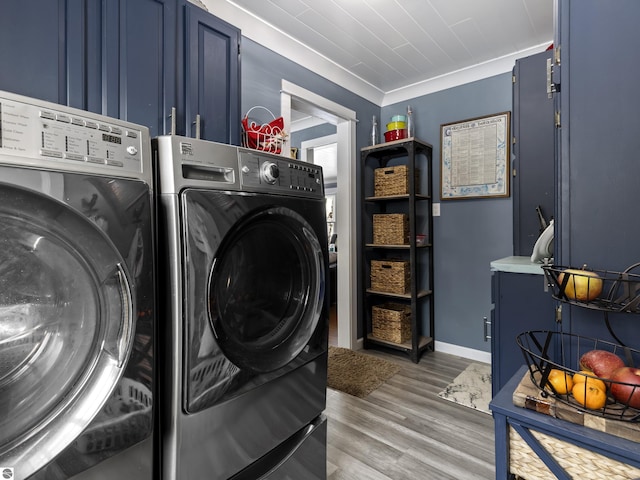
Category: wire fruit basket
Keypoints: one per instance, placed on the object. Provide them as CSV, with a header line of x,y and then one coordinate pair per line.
x,y
546,351
268,137
596,289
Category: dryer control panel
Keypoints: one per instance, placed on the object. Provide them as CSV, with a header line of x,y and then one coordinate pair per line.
x,y
54,136
273,173
188,162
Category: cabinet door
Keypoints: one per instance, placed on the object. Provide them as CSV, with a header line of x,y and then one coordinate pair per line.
x,y
34,35
139,48
521,305
533,148
598,163
212,77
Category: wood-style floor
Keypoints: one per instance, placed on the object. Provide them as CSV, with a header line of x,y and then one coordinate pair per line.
x,y
404,431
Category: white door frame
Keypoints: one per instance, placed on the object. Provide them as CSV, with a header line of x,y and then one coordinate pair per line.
x,y
293,97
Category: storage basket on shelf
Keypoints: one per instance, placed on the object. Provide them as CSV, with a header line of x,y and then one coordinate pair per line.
x,y
545,351
268,137
391,322
390,229
390,276
391,181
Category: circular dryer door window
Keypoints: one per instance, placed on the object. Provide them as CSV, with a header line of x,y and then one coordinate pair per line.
x,y
65,325
266,289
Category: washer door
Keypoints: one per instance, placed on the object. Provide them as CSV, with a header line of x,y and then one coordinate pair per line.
x,y
266,289
66,324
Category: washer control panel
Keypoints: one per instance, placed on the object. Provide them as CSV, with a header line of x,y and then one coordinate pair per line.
x,y
265,172
42,133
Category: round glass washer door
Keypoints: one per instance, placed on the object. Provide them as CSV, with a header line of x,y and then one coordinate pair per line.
x,y
66,324
266,289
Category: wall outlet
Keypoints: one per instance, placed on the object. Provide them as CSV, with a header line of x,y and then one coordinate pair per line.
x,y
436,209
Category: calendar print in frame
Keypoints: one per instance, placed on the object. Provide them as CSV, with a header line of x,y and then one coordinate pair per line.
x,y
475,157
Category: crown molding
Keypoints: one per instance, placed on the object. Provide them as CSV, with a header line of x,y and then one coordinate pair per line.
x,y
259,31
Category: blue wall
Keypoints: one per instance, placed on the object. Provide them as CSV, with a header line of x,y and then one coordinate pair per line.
x,y
470,233
263,71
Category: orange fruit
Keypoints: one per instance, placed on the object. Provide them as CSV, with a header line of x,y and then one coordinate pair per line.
x,y
561,381
585,376
593,398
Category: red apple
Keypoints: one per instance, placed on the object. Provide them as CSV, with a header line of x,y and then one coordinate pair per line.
x,y
627,392
601,362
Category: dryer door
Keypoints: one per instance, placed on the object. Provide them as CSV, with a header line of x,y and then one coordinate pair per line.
x,y
66,323
266,289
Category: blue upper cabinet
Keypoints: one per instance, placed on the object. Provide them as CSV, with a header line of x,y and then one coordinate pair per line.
x,y
169,58
43,50
137,60
139,49
533,151
598,143
212,77
599,134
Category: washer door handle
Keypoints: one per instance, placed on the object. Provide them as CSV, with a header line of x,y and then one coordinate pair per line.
x,y
126,326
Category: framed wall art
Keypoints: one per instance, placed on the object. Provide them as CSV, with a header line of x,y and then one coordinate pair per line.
x,y
475,157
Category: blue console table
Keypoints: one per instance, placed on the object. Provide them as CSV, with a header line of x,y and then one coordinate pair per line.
x,y
539,433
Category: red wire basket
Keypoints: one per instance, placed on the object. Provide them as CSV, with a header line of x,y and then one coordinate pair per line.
x,y
268,137
545,351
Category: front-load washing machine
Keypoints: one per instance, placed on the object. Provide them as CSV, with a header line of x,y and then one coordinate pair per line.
x,y
77,294
244,240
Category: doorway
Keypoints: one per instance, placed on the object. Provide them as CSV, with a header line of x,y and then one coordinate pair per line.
x,y
322,151
297,99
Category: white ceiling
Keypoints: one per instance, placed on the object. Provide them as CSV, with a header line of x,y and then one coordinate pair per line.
x,y
391,50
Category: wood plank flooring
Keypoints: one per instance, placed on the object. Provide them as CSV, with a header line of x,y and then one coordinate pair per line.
x,y
403,430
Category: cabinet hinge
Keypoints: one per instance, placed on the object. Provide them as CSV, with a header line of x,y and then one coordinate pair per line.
x,y
513,172
513,140
513,79
556,55
556,119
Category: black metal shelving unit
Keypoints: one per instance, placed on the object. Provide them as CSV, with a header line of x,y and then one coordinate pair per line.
x,y
417,204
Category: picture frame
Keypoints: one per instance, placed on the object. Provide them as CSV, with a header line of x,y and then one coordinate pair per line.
x,y
475,157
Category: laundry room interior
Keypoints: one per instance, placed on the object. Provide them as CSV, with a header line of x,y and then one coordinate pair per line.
x,y
292,239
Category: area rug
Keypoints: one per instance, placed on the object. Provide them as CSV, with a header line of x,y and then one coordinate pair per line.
x,y
357,374
472,388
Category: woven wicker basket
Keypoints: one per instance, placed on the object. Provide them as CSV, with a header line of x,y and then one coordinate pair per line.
x,y
391,322
390,229
576,461
393,181
390,276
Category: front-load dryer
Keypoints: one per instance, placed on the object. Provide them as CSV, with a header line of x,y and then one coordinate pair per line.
x,y
77,295
244,240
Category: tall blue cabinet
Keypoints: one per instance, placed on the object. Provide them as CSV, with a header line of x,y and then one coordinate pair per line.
x,y
521,301
596,123
596,74
533,151
137,60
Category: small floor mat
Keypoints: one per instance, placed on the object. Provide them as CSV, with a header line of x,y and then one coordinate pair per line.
x,y
472,388
357,374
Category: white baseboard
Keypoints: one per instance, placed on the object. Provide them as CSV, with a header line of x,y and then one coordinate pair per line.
x,y
464,352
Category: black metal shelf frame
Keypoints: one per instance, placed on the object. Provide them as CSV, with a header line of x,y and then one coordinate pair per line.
x,y
412,153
